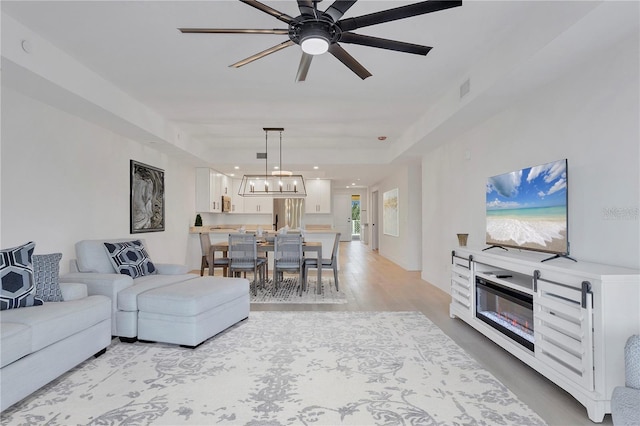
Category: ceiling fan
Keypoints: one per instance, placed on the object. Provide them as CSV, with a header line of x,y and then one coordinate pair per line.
x,y
318,32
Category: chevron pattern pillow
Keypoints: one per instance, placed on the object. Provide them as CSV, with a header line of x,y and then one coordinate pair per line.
x,y
130,258
16,270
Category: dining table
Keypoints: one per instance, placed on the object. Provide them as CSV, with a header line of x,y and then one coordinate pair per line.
x,y
269,246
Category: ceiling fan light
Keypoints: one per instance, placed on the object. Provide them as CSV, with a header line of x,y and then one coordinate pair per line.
x,y
315,45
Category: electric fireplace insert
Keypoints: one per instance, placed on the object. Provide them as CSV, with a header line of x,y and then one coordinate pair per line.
x,y
507,310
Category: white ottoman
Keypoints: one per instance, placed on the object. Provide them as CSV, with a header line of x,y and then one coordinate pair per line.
x,y
189,312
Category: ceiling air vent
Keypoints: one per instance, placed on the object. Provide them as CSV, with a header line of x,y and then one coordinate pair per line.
x,y
261,155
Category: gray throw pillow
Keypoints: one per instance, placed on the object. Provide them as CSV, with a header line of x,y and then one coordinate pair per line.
x,y
16,270
46,271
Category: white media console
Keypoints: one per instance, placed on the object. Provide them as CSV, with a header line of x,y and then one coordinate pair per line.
x,y
575,316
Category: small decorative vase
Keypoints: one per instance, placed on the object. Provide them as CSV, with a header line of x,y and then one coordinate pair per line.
x,y
198,220
462,239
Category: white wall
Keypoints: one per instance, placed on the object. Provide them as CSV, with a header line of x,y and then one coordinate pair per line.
x,y
405,249
590,116
65,179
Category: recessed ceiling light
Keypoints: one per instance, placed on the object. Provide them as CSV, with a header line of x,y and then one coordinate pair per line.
x,y
315,167
236,167
353,184
232,174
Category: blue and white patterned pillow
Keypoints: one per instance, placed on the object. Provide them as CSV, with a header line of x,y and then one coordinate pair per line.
x,y
16,270
130,258
46,272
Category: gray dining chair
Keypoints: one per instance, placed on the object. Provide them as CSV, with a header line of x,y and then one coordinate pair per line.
x,y
243,257
331,263
287,257
218,262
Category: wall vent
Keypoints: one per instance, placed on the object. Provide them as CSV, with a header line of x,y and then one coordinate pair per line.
x,y
465,88
261,155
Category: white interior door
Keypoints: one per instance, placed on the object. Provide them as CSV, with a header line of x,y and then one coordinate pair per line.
x,y
342,215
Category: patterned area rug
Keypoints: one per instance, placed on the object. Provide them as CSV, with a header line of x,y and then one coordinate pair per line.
x,y
285,368
288,292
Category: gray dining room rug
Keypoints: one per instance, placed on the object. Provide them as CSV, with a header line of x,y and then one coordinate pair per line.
x,y
284,368
288,292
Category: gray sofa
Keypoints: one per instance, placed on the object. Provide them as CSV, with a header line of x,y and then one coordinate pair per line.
x,y
164,303
39,343
93,268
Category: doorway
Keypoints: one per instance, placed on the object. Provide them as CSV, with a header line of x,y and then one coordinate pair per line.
x,y
356,224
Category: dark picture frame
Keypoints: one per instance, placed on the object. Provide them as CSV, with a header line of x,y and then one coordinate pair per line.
x,y
146,208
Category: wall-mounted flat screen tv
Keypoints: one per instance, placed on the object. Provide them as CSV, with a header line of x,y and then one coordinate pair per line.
x,y
527,209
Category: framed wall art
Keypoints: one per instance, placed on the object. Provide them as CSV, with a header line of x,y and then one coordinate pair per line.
x,y
390,221
147,198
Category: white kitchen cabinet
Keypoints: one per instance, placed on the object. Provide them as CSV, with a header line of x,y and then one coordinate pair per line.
x,y
208,190
237,202
582,315
226,186
318,196
250,205
258,205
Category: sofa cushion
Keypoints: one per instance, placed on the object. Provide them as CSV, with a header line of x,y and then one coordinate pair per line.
x,y
130,258
15,342
55,321
128,297
190,298
92,256
16,270
46,271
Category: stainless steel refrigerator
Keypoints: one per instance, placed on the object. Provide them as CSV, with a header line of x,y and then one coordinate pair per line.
x,y
288,211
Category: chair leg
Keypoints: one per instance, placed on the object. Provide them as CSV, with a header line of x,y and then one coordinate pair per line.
x,y
203,262
275,278
335,276
304,280
301,278
254,285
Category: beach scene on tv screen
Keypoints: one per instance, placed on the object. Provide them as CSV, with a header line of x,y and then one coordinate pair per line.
x,y
528,208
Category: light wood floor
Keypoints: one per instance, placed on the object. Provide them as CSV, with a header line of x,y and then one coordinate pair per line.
x,y
373,283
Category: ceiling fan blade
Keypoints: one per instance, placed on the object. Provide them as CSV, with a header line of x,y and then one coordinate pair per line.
x,y
401,12
232,31
303,68
336,50
263,54
339,8
271,11
384,43
306,7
